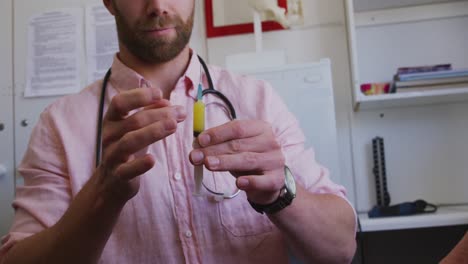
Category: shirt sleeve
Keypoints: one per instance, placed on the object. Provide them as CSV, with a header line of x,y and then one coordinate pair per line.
x,y
46,194
302,162
313,176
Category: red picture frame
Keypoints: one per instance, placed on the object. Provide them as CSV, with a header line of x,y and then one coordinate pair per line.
x,y
212,31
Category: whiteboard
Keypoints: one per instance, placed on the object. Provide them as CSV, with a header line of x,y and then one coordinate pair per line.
x,y
307,90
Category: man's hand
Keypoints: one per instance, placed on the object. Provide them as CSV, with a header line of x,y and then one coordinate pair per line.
x,y
124,135
248,149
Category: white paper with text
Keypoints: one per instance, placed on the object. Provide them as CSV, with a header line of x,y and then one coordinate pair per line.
x,y
101,41
54,43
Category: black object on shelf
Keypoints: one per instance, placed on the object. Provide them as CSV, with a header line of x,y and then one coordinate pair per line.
x,y
380,172
383,208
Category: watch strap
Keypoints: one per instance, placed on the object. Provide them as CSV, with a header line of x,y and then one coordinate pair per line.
x,y
282,202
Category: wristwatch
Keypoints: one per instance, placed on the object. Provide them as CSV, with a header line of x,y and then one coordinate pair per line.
x,y
287,195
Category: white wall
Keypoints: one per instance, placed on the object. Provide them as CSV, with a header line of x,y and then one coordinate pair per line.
x,y
323,36
382,49
198,40
6,117
426,146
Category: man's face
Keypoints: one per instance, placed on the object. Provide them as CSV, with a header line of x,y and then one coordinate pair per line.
x,y
155,31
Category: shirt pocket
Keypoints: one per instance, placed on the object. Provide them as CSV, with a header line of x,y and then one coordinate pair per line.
x,y
237,215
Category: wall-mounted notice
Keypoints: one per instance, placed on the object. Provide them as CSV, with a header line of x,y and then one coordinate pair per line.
x,y
101,41
54,43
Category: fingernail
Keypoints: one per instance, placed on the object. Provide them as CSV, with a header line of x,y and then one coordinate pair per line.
x,y
213,161
195,144
170,125
197,156
180,111
204,139
156,94
242,183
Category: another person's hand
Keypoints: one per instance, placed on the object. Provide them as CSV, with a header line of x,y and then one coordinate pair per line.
x,y
248,149
125,135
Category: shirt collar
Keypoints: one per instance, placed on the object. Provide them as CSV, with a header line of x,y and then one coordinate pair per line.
x,y
124,78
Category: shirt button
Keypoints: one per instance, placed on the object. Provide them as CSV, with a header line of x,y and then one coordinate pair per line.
x,y
177,176
218,198
188,234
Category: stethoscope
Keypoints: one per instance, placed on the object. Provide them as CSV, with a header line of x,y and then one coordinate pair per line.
x,y
210,90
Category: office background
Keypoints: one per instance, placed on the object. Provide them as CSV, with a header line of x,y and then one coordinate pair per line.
x,y
426,143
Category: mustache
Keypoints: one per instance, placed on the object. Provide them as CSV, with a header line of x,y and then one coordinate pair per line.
x,y
160,22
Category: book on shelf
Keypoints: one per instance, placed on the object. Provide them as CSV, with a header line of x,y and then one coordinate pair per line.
x,y
458,73
430,82
425,68
432,87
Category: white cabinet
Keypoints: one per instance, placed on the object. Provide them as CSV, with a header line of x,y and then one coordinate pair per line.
x,y
425,133
6,119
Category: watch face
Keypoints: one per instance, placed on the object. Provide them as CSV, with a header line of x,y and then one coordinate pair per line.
x,y
289,181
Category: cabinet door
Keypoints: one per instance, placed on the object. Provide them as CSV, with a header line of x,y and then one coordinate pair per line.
x,y
6,119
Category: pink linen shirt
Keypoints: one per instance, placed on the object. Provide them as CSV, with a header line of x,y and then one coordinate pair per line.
x,y
164,222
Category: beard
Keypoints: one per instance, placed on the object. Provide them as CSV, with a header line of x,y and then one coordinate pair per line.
x,y
154,49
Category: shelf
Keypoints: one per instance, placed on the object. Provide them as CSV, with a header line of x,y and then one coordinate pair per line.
x,y
411,98
445,216
411,14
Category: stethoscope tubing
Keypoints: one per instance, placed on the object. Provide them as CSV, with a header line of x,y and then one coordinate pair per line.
x,y
210,90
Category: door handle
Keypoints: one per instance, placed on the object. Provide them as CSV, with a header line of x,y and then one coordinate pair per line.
x,y
24,123
3,171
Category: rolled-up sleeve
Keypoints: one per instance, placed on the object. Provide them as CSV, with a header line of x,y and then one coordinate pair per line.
x,y
313,176
46,194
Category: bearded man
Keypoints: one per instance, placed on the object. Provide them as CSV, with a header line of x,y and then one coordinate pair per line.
x,y
137,205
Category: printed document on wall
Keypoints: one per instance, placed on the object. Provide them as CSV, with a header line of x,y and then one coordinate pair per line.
x,y
101,41
54,39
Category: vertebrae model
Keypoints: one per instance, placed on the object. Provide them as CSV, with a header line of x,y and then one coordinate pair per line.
x,y
270,10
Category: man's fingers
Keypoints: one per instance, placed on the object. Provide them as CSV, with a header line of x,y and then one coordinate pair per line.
x,y
251,144
269,183
233,130
125,102
135,168
147,117
246,161
136,140
158,104
116,130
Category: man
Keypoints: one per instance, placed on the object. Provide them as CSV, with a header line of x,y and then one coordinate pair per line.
x,y
137,206
459,253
